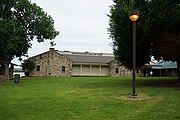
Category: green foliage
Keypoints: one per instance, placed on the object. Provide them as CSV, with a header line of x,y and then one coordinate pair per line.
x,y
164,33
121,33
22,22
157,30
52,44
28,65
89,98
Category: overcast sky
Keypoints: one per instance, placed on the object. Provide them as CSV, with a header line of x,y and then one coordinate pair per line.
x,y
82,25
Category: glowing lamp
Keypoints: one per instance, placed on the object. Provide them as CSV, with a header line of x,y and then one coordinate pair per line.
x,y
134,15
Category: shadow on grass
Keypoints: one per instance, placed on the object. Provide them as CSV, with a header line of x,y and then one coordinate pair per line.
x,y
125,83
172,82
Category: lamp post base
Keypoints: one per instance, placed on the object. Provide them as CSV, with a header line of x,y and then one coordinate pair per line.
x,y
133,96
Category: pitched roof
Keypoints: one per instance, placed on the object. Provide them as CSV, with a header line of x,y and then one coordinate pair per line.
x,y
85,57
90,59
165,65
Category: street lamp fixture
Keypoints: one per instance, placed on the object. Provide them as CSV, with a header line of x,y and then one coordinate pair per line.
x,y
134,15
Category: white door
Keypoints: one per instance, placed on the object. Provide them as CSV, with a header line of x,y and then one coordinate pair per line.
x,y
104,71
95,71
76,70
86,70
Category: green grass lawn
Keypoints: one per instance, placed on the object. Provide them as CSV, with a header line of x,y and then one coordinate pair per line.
x,y
89,98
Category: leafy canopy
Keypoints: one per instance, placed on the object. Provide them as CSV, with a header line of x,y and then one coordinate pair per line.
x,y
21,22
157,30
28,65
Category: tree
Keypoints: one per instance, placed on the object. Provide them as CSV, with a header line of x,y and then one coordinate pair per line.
x,y
166,39
157,30
21,22
121,33
28,66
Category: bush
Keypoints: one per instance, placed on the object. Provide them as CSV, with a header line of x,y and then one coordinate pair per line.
x,y
28,66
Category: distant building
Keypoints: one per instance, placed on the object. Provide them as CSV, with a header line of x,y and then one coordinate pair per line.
x,y
168,68
66,63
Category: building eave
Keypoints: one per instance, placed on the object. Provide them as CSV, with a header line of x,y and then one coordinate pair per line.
x,y
81,63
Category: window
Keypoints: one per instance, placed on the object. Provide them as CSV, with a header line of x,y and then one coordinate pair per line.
x,y
63,68
38,68
117,70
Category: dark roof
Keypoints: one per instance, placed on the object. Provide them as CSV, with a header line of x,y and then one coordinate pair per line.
x,y
89,59
165,65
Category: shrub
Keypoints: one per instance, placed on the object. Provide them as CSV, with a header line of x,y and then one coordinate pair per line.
x,y
28,66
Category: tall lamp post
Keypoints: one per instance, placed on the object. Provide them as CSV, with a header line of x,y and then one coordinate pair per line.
x,y
134,15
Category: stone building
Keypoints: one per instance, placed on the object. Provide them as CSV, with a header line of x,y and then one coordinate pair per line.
x,y
6,70
66,63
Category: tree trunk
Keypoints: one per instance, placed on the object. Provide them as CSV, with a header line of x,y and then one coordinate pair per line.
x,y
178,68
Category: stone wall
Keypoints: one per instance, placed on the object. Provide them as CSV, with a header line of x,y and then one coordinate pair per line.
x,y
50,64
117,70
